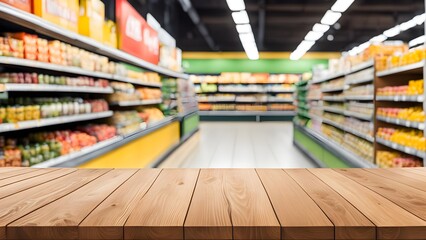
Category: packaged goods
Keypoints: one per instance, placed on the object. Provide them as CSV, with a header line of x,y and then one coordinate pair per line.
x,y
414,87
63,13
25,5
110,34
409,138
91,20
414,114
387,159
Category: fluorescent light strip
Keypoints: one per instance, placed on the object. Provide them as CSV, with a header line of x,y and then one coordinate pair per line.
x,y
243,28
392,32
318,30
236,5
341,5
330,18
240,17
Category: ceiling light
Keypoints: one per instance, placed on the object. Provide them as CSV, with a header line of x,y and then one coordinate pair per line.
x,y
392,32
251,50
378,39
313,36
341,5
305,45
337,26
240,17
330,37
236,5
247,37
330,17
420,19
244,28
296,55
364,46
407,25
417,41
318,27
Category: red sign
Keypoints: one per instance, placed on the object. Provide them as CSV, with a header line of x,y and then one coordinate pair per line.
x,y
135,36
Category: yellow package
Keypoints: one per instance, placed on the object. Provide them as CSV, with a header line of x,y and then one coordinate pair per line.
x,y
110,34
60,12
91,21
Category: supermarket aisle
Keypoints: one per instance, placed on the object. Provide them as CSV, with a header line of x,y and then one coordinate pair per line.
x,y
240,145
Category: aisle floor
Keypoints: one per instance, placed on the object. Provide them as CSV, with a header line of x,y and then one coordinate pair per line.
x,y
240,145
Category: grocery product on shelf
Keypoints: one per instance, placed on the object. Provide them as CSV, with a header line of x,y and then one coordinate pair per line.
x,y
335,118
220,107
414,114
314,92
409,138
127,92
62,13
217,98
249,107
25,109
251,98
366,109
241,88
364,90
358,126
280,97
136,74
333,84
35,78
281,107
402,57
150,115
42,146
388,159
360,147
246,78
126,122
332,133
91,19
414,87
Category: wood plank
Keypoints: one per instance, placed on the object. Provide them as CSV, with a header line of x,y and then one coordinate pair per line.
x,y
9,169
289,200
420,171
17,187
16,172
208,216
392,221
25,202
25,176
251,211
107,220
403,176
348,221
411,199
60,219
168,201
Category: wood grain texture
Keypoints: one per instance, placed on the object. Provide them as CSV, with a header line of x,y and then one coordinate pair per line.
x,y
33,182
209,216
9,169
403,176
411,199
164,207
15,172
65,214
251,212
348,221
25,202
25,176
288,200
392,221
107,220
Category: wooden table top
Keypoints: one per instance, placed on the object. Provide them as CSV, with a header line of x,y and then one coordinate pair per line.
x,y
216,204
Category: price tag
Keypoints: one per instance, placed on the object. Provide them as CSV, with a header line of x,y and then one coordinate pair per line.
x,y
394,145
421,126
408,150
397,98
397,121
404,98
407,124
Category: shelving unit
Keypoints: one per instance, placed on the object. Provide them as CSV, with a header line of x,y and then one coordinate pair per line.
x,y
399,76
30,23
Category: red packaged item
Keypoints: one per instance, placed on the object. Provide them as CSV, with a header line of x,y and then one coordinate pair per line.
x,y
25,5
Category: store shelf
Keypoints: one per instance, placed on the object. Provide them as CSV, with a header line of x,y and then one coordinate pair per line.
x,y
360,98
359,134
10,87
70,157
280,100
400,122
249,101
136,81
348,156
44,27
416,68
358,115
334,124
361,66
31,64
328,78
8,127
136,103
338,89
86,154
281,91
401,148
216,101
333,110
303,114
247,113
333,99
361,80
314,99
401,98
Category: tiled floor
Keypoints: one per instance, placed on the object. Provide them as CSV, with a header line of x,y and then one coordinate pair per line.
x,y
240,145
